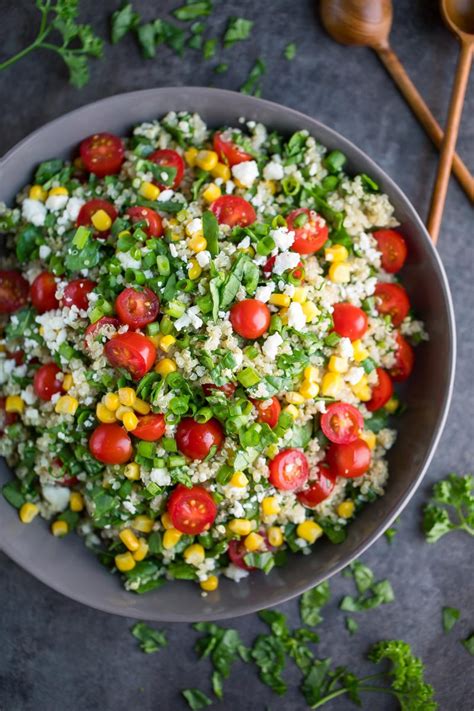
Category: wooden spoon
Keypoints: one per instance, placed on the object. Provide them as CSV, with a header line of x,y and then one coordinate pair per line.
x,y
459,16
367,23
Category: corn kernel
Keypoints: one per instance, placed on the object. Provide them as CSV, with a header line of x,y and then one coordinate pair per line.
x,y
37,192
165,366
111,401
210,584
149,190
207,160
362,389
124,562
68,382
129,539
239,480
212,192
103,414
28,512
270,506
121,411
336,253
392,405
339,273
222,171
130,421
101,221
132,471
197,243
166,342
271,186
299,295
309,531
310,311
311,373
142,550
195,269
345,509
275,536
76,501
283,314
144,524
369,438
280,300
166,521
66,405
41,330
142,407
309,390
171,538
59,528
291,410
338,365
58,191
294,398
240,526
253,541
14,403
359,352
127,396
190,156
331,384
194,554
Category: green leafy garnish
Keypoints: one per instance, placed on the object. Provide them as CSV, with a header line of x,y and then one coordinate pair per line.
x,y
209,48
221,68
196,699
151,640
450,615
451,507
238,29
223,646
290,51
311,603
191,10
468,644
251,85
351,625
123,21
371,594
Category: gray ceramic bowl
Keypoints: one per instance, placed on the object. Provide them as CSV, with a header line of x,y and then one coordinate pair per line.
x,y
66,565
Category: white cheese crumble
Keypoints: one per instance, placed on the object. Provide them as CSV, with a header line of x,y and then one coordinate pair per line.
x,y
246,173
296,317
273,171
34,211
56,496
271,345
285,261
283,237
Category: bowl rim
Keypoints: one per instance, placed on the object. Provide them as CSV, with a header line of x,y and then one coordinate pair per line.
x,y
391,188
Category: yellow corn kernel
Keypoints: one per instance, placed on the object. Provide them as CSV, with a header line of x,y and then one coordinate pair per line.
x,y
207,160
127,396
299,295
14,403
360,353
111,401
58,191
144,524
125,562
291,410
253,541
212,192
76,501
121,411
309,531
103,413
271,186
197,243
59,528
240,526
130,421
166,342
210,584
345,509
280,300
362,389
171,538
336,253
369,438
41,330
275,536
331,384
339,273
129,539
239,480
66,405
194,554
165,366
68,382
101,221
166,521
142,550
270,506
392,405
149,191
37,192
311,374
294,398
142,407
309,390
132,471
195,270
222,171
310,311
28,512
190,156
337,364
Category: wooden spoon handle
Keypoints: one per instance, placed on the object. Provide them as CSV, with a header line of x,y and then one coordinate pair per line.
x,y
450,137
424,115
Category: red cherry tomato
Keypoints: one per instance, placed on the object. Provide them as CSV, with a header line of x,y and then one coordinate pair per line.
x,y
89,209
381,393
94,329
132,351
102,154
75,294
268,411
349,321
193,510
289,470
319,488
228,151
404,360
392,299
150,427
43,291
14,291
234,211
393,248
342,423
137,308
349,460
6,418
195,439
250,318
154,224
110,444
236,551
169,159
309,236
228,389
17,356
46,382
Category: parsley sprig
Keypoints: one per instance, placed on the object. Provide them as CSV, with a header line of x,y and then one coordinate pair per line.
x,y
451,507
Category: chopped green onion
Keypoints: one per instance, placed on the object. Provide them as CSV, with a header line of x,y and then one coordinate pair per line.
x,y
146,449
169,444
300,220
153,329
175,308
334,161
290,185
203,415
279,221
81,236
163,265
248,377
265,246
166,326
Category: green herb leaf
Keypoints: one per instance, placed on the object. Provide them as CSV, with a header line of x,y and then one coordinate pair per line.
x,y
351,625
450,616
210,228
196,699
221,68
12,493
363,576
238,29
451,508
47,170
146,40
190,11
151,640
28,242
251,85
123,21
290,51
311,603
468,644
209,48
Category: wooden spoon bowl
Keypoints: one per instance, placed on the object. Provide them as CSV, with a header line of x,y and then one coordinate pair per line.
x,y
358,22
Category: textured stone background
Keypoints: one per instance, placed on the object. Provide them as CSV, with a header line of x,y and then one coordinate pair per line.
x,y
56,654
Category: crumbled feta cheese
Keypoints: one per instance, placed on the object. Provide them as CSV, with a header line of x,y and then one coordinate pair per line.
x,y
263,293
285,261
44,251
345,348
73,207
271,345
354,375
273,171
127,261
56,496
34,211
296,317
56,202
165,195
234,573
203,258
160,477
246,172
283,237
194,226
190,318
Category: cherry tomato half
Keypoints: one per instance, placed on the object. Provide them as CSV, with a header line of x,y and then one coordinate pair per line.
x,y
341,423
404,360
150,427
392,299
228,151
132,351
289,470
102,154
195,439
381,393
137,308
43,291
14,291
88,210
154,224
311,230
349,460
268,410
319,488
75,294
234,211
193,510
110,444
393,248
46,382
250,318
96,328
349,321
6,418
228,389
169,159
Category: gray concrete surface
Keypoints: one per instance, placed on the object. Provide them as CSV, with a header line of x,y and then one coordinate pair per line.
x,y
56,655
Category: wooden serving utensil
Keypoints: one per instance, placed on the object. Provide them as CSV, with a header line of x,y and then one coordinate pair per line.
x,y
459,16
367,23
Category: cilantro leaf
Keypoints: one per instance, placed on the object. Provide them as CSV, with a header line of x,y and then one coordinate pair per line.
x,y
371,594
268,653
450,615
151,640
196,699
123,21
238,29
223,646
311,603
251,85
451,508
